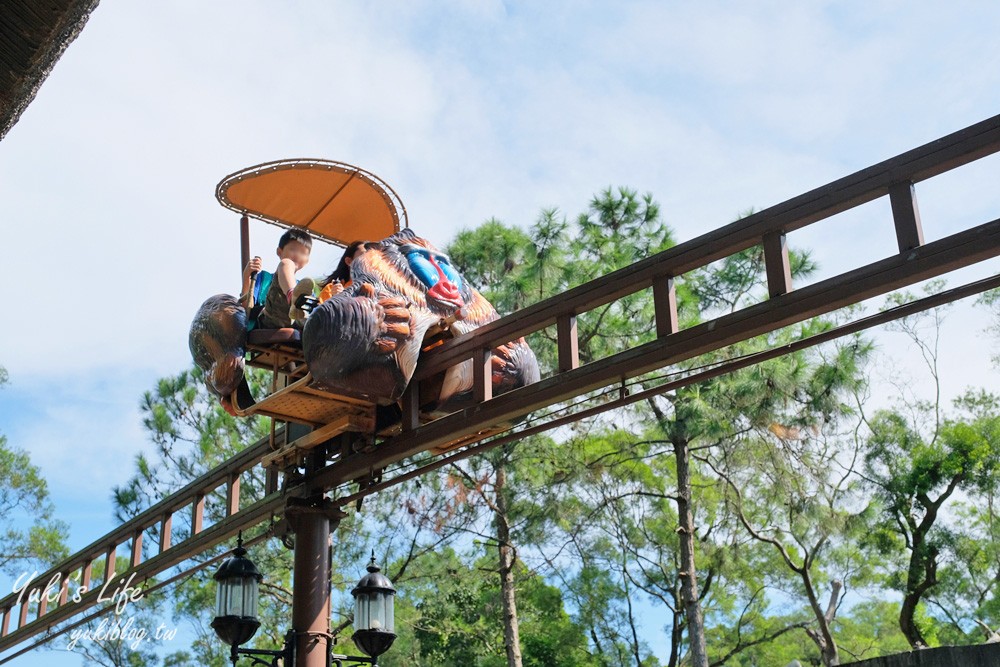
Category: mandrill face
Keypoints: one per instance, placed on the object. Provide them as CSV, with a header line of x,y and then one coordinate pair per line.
x,y
413,268
434,270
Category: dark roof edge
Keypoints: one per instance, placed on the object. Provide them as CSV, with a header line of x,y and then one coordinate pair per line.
x,y
61,34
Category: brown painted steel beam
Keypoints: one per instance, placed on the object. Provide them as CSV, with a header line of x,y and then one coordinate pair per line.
x,y
665,305
779,273
166,530
906,216
193,495
226,529
861,187
931,260
568,342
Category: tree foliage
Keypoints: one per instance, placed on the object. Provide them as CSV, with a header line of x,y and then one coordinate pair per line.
x,y
39,541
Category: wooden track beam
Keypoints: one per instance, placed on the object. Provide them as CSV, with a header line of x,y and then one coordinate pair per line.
x,y
921,163
928,261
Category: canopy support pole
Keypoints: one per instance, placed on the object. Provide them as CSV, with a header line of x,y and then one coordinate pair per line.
x,y
244,241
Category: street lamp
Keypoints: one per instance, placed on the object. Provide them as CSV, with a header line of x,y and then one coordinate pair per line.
x,y
374,622
236,598
236,614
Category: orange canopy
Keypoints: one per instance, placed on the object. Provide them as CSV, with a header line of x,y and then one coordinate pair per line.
x,y
333,201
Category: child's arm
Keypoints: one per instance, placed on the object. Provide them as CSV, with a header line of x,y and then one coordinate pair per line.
x,y
252,267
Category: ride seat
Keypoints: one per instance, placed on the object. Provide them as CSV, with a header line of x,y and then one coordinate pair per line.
x,y
286,336
275,349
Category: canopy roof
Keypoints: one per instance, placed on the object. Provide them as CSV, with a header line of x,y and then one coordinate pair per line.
x,y
336,202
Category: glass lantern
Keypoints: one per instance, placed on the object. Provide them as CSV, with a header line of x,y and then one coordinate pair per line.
x,y
374,624
236,598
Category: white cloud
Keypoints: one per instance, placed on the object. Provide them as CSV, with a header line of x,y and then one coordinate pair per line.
x,y
468,110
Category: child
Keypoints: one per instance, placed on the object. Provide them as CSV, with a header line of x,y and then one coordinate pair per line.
x,y
340,279
293,251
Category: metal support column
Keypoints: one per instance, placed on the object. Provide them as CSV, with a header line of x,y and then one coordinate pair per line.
x,y
312,521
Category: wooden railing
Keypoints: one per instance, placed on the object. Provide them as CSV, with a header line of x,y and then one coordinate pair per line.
x,y
19,623
915,261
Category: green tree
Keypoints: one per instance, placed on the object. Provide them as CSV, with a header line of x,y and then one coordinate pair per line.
x,y
191,434
919,459
969,577
450,613
24,493
715,418
619,227
791,481
916,474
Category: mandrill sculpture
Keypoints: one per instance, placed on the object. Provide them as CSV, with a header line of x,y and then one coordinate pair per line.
x,y
367,338
218,342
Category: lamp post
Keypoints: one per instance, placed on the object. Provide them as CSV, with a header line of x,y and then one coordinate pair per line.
x,y
236,620
236,595
374,622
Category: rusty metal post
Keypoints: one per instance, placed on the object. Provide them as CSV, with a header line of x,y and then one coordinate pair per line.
x,y
312,520
244,242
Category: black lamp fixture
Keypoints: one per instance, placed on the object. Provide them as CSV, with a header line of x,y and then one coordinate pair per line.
x,y
374,623
236,597
236,620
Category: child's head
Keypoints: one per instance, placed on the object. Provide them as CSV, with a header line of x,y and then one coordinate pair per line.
x,y
343,270
295,245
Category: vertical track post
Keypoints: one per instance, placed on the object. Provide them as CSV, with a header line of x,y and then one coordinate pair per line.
x,y
85,577
312,520
136,548
411,407
109,563
197,513
906,216
64,589
233,494
568,342
482,375
665,305
779,273
166,530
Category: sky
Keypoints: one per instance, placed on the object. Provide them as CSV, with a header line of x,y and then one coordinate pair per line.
x,y
111,237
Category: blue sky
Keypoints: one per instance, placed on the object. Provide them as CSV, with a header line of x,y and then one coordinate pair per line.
x,y
111,235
